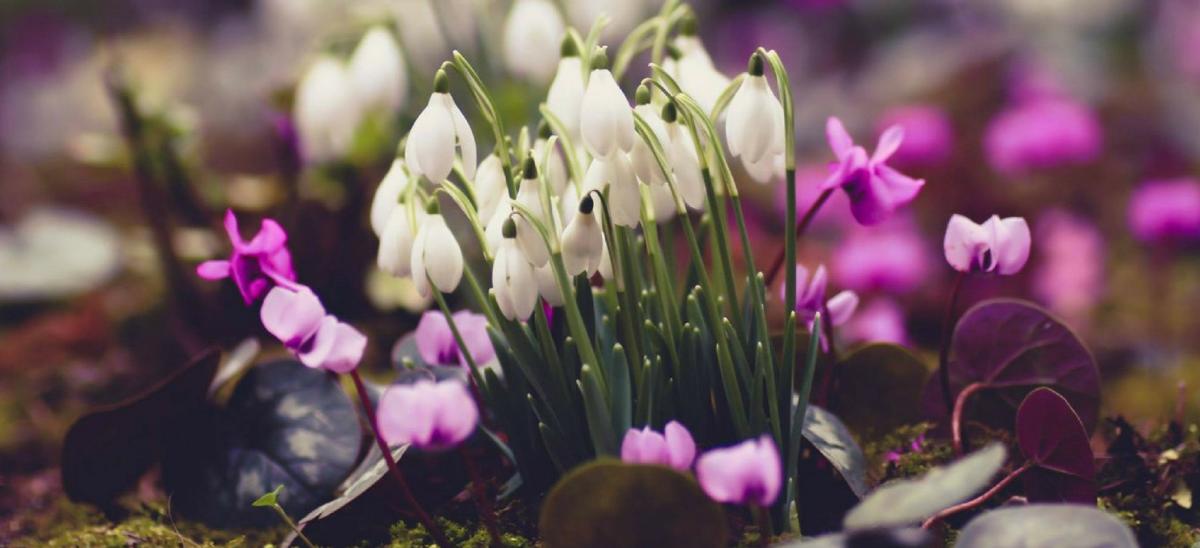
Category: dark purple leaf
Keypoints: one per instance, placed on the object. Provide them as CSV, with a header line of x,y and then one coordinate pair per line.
x,y
1013,347
1051,435
879,389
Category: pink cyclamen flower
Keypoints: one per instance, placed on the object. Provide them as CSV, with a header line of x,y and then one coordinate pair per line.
x,y
295,316
928,135
880,321
436,344
895,259
1000,245
810,297
747,473
1166,210
254,265
674,447
1070,275
431,416
875,188
1042,133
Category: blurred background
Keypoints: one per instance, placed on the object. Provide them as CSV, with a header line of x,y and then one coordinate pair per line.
x,y
128,126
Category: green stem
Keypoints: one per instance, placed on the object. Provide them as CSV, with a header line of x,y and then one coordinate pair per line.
x,y
283,515
458,339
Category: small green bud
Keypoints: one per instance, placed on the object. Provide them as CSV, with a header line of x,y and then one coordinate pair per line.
x,y
432,207
669,112
586,205
441,82
543,130
642,95
756,65
600,60
673,52
509,229
567,48
688,25
529,170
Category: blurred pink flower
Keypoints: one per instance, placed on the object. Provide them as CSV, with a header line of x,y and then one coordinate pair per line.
x,y
893,259
875,189
881,321
810,297
436,342
1042,133
809,178
431,416
674,447
1166,210
1000,245
928,135
747,473
296,317
1070,275
254,265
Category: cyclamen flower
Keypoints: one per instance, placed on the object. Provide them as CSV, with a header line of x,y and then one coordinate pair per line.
x,y
326,111
747,473
754,124
810,298
1166,210
430,416
674,447
255,265
436,256
875,189
1069,279
295,316
531,32
893,259
1000,245
513,280
583,241
388,194
438,131
565,96
928,136
436,343
880,321
1042,133
605,119
378,72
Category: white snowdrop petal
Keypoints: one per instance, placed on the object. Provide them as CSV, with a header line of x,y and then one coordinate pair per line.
x,y
387,195
466,140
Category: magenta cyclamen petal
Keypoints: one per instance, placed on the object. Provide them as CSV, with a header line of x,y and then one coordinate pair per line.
x,y
674,447
999,245
436,343
292,316
681,448
254,266
747,473
213,270
430,416
874,188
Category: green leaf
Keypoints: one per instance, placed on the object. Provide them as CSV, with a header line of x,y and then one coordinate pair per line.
x,y
879,389
833,440
269,499
609,503
596,409
621,396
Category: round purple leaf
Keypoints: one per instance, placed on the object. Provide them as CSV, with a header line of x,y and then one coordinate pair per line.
x,y
1051,435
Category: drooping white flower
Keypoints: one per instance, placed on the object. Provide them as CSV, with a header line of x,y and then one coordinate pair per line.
x,y
685,165
553,162
513,279
436,255
378,72
495,223
606,267
566,90
662,203
754,120
605,119
387,195
439,130
490,186
531,32
583,241
624,198
644,164
622,14
397,238
548,286
694,70
424,38
529,195
326,111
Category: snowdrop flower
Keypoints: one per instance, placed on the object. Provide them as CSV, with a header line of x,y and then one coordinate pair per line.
x,y
1000,245
531,32
674,447
547,285
254,265
490,186
583,241
662,203
436,343
552,161
529,195
396,241
513,279
437,132
388,194
436,256
1166,210
747,473
680,150
810,298
605,121
431,416
640,157
624,197
566,90
694,70
295,316
875,189
623,15
326,111
1042,133
754,123
928,136
378,72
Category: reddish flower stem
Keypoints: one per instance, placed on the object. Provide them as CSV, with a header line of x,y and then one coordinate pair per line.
x,y
434,529
479,493
975,502
948,320
801,227
960,404
762,520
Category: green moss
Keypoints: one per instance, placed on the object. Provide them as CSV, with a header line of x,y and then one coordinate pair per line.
x,y
466,535
77,525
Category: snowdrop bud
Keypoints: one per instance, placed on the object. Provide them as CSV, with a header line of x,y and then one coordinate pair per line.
x,y
583,241
566,90
436,255
378,72
396,240
513,279
532,30
754,118
438,131
490,186
394,183
605,121
547,285
326,111
530,196
1000,245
